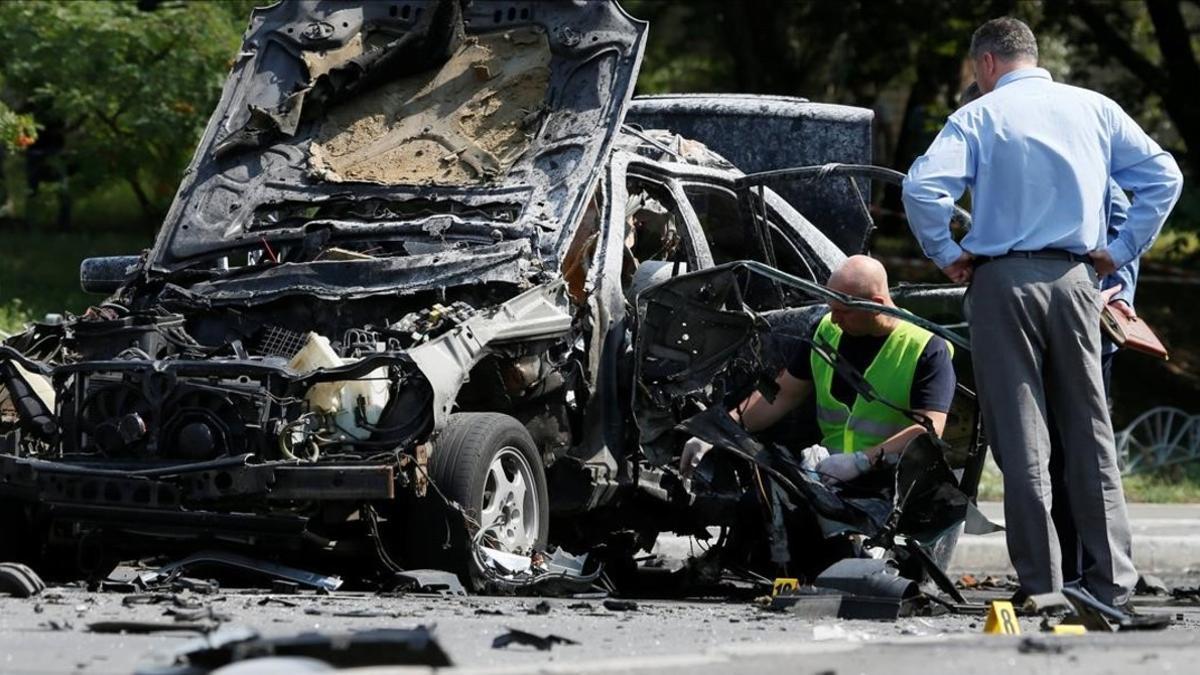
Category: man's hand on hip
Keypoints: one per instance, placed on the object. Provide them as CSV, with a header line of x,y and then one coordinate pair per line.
x,y
961,269
1103,262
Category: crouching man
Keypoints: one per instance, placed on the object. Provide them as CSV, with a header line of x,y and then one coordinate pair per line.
x,y
905,364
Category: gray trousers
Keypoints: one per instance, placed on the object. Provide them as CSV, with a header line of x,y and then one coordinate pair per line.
x,y
1035,346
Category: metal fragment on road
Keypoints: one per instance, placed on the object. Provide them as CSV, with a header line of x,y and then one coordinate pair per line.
x,y
312,579
539,642
429,581
378,647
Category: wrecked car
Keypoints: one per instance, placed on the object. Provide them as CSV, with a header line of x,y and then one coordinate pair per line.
x,y
422,300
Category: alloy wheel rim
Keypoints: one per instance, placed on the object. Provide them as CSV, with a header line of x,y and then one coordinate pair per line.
x,y
509,516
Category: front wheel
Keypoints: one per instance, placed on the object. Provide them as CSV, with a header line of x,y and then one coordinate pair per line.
x,y
488,464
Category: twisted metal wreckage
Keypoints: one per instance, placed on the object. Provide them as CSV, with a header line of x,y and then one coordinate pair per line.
x,y
421,292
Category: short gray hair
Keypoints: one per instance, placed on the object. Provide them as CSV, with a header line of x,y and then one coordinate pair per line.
x,y
1007,38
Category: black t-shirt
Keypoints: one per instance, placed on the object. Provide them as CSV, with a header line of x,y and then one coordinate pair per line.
x,y
933,380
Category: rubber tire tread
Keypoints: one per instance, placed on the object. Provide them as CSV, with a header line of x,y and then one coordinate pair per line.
x,y
458,467
458,457
19,580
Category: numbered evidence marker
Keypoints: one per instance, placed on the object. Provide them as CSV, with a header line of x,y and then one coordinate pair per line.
x,y
1002,619
785,585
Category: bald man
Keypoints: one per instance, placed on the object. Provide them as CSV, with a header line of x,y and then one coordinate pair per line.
x,y
906,364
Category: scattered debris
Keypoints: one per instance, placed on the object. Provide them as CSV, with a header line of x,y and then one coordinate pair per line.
x,y
620,605
971,582
379,647
581,606
540,608
355,613
284,587
240,562
175,599
199,614
1186,594
1092,614
483,611
1032,645
428,581
1148,584
277,601
520,637
19,580
55,624
148,627
555,573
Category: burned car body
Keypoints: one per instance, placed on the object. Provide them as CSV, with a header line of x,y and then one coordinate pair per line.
x,y
390,314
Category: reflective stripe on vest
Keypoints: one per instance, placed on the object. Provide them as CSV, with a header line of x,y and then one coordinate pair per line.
x,y
890,374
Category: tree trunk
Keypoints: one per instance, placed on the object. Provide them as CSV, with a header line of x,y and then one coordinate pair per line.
x,y
143,199
1182,73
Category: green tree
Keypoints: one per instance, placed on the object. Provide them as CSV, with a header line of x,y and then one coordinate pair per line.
x,y
116,93
1153,45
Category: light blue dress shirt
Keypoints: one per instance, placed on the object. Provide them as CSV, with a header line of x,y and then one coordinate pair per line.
x,y
1038,156
1118,211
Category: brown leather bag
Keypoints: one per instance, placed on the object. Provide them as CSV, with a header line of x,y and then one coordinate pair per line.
x,y
1130,333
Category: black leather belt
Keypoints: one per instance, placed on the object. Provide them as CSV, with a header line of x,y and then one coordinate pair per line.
x,y
1045,254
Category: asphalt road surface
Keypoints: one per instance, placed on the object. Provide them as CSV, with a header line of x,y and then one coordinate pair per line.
x,y
50,634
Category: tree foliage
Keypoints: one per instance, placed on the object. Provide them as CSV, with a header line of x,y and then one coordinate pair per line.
x,y
905,58
99,92
116,93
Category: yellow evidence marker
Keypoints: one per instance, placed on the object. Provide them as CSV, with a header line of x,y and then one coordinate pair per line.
x,y
784,585
1002,619
1069,629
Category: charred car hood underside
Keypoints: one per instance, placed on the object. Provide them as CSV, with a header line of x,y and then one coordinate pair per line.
x,y
389,112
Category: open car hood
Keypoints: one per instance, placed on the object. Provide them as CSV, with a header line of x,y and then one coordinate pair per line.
x,y
496,112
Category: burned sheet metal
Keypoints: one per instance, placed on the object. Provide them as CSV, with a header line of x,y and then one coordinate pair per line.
x,y
870,577
439,582
539,642
854,588
1085,610
310,74
361,649
539,313
506,262
548,573
241,562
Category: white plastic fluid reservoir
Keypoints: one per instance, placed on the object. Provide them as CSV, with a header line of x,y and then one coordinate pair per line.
x,y
341,398
324,397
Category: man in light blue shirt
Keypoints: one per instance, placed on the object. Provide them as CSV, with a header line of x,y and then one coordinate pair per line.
x,y
1038,156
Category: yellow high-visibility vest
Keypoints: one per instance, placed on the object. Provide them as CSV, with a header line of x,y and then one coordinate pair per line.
x,y
868,423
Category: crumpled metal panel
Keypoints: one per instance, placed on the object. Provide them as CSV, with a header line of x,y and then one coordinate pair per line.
x,y
801,133
507,262
542,312
269,112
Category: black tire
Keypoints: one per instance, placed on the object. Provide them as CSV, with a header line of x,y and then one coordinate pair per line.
x,y
19,580
459,466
